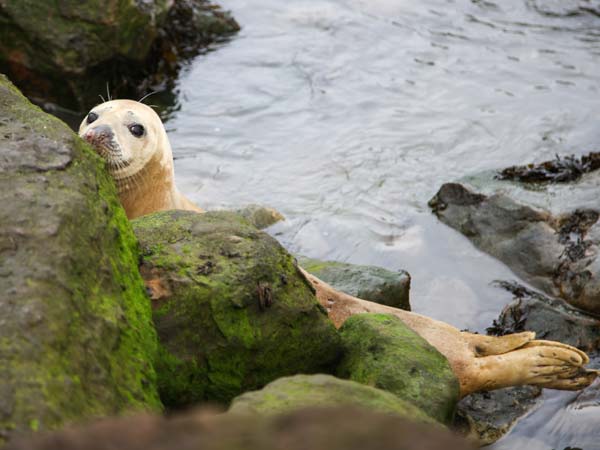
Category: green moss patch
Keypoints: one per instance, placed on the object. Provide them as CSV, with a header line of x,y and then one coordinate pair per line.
x,y
382,352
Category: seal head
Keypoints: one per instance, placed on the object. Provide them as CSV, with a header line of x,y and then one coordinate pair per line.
x,y
131,138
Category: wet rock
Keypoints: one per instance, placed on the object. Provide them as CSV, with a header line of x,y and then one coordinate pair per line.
x,y
232,311
367,282
129,45
484,417
76,337
380,351
260,216
550,318
555,253
487,416
302,391
339,428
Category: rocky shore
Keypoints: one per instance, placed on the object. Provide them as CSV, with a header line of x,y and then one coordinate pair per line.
x,y
102,317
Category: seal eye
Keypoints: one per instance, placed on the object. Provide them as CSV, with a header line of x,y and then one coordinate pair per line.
x,y
137,130
91,117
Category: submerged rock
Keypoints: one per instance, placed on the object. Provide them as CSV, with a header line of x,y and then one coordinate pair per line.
x,y
367,282
302,391
76,337
340,428
484,417
260,216
232,311
381,351
557,253
129,45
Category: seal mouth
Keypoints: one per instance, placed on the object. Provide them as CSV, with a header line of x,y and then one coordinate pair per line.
x,y
110,151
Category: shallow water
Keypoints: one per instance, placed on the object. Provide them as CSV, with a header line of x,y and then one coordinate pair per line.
x,y
348,115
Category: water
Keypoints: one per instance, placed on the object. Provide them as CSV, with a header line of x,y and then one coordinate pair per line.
x,y
348,115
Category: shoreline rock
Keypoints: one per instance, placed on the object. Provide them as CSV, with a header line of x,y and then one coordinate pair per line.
x,y
367,282
76,337
557,254
127,47
231,309
302,391
381,351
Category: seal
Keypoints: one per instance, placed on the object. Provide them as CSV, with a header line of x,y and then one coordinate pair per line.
x,y
132,139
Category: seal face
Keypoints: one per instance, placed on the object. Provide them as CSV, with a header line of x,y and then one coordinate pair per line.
x,y
132,139
128,135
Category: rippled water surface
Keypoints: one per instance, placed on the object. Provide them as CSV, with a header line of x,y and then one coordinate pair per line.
x,y
348,115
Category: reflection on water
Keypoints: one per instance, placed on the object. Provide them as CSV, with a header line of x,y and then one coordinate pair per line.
x,y
347,115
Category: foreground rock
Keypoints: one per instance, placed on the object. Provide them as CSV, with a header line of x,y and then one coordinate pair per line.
x,y
380,351
316,429
76,338
302,391
232,311
129,45
554,253
367,282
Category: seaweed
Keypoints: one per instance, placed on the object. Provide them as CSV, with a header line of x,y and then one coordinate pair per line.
x,y
564,169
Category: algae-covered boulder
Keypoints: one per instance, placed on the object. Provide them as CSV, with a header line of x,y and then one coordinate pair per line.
x,y
302,391
231,309
381,351
367,282
76,337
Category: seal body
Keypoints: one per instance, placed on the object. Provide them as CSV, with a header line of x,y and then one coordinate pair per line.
x,y
132,139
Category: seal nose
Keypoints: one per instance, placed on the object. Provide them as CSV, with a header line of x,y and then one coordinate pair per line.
x,y
99,133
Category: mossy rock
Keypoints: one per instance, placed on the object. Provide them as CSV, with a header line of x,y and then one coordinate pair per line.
x,y
76,336
231,308
372,283
303,391
124,46
381,351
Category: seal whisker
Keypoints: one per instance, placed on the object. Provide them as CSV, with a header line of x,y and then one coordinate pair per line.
x,y
101,98
141,100
108,92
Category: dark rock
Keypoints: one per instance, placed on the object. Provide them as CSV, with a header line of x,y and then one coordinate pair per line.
x,y
302,391
128,45
554,253
232,310
550,318
76,338
367,282
315,428
484,417
380,351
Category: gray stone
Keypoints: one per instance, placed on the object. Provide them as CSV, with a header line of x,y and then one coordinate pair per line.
x,y
367,282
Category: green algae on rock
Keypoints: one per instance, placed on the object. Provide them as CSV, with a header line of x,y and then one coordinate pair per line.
x,y
231,309
302,391
367,282
76,336
381,351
